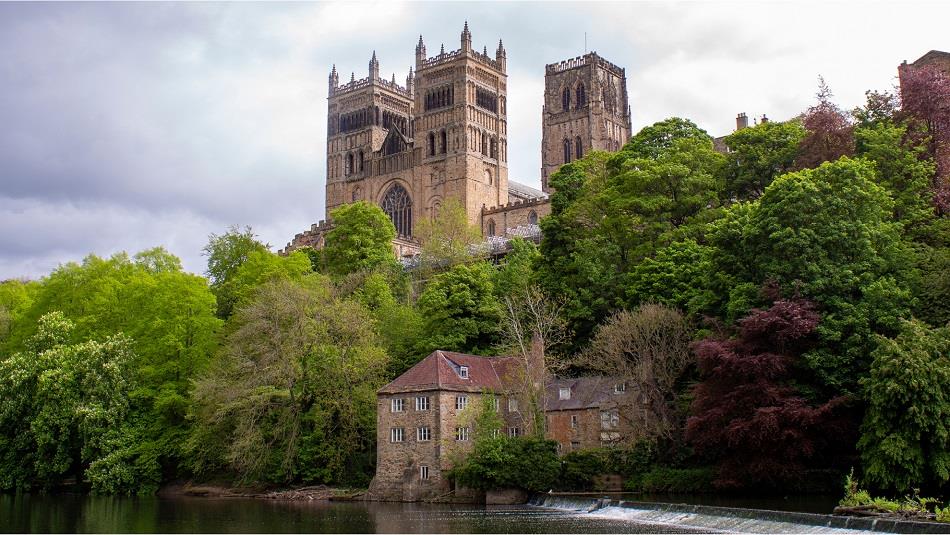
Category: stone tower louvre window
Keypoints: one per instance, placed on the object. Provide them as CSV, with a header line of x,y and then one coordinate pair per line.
x,y
486,100
398,206
567,151
581,96
439,97
566,99
579,148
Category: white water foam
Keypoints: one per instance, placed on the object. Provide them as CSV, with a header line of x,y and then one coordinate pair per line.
x,y
722,524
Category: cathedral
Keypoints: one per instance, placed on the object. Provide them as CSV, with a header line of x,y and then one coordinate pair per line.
x,y
444,135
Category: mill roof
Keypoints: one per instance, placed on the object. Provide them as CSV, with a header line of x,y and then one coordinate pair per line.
x,y
585,393
441,371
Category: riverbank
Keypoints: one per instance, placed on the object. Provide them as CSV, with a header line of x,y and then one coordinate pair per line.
x,y
306,493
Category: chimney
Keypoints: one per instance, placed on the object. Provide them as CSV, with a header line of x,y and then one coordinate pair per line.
x,y
742,121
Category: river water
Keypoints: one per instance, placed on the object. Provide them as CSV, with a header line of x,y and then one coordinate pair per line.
x,y
86,514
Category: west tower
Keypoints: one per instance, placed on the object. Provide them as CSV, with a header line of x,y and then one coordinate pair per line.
x,y
585,108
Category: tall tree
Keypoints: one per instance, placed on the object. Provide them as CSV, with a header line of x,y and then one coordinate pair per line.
x,y
225,255
460,310
758,155
828,128
360,240
925,96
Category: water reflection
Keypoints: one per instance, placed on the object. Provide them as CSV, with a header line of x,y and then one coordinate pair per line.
x,y
87,514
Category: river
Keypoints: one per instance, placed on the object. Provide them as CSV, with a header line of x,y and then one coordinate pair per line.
x,y
86,514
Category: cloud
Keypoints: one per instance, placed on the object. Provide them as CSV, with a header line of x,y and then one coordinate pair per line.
x,y
132,125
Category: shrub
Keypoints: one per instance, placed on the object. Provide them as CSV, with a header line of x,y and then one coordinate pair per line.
x,y
679,480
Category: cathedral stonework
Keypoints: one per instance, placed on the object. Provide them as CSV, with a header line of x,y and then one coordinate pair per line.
x,y
444,135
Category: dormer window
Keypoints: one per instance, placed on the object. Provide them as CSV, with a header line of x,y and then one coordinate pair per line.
x,y
463,372
564,393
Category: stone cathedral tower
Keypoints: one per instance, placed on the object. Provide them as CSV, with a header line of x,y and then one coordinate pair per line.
x,y
585,108
443,135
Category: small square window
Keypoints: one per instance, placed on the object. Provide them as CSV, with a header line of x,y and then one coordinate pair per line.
x,y
461,402
423,434
514,432
620,388
463,372
396,434
512,405
398,405
564,392
573,421
461,433
423,472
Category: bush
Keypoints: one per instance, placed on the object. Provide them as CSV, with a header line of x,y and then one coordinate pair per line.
x,y
498,463
680,480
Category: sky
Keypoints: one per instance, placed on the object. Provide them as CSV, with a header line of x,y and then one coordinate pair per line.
x,y
131,125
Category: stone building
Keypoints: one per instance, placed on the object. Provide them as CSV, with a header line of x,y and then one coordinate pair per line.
x,y
584,412
425,420
444,135
585,108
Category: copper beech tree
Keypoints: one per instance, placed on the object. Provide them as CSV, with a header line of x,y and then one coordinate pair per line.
x,y
925,96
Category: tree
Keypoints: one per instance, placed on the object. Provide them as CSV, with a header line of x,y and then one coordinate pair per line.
x,y
447,238
829,135
758,155
746,416
225,255
360,240
65,405
675,276
649,349
263,266
292,395
659,138
905,437
459,310
827,232
925,96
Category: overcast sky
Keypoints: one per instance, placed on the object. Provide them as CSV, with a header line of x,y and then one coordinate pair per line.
x,y
127,126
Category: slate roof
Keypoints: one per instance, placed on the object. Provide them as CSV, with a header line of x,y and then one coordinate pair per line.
x,y
586,393
519,191
934,56
440,371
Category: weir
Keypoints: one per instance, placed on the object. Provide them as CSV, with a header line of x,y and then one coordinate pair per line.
x,y
729,519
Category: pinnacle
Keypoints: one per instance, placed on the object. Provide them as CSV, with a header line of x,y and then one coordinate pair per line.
x,y
374,56
352,76
466,27
485,50
394,78
443,49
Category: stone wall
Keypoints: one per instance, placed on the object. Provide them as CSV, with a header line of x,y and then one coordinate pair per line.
x,y
512,215
585,433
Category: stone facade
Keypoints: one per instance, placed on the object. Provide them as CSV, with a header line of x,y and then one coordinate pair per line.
x,y
585,108
585,412
444,135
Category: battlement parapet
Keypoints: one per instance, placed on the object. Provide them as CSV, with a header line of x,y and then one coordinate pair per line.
x,y
581,61
363,83
447,57
527,203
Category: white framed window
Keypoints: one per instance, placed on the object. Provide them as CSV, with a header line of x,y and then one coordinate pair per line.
x,y
495,403
463,372
564,392
423,472
396,434
461,433
609,419
573,421
514,432
398,405
422,403
620,388
495,433
461,402
423,434
512,404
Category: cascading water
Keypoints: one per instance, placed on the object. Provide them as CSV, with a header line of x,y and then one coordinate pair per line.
x,y
728,519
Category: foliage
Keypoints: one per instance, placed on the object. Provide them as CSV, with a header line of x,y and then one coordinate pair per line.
x,y
64,407
828,128
460,310
518,272
448,237
746,415
225,255
758,155
905,437
925,96
674,480
649,349
911,506
292,395
263,266
360,240
674,276
498,463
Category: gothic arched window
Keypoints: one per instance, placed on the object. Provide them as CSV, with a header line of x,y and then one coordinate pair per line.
x,y
348,170
532,218
443,142
494,148
361,159
581,96
566,99
567,151
398,206
578,148
431,144
491,227
488,177
485,143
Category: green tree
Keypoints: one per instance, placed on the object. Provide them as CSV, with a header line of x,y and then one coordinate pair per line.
x,y
447,238
905,437
225,255
758,155
674,276
360,240
64,406
292,396
517,273
263,266
460,311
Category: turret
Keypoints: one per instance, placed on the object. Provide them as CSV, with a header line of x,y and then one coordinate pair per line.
x,y
420,53
501,57
410,83
466,39
373,67
334,80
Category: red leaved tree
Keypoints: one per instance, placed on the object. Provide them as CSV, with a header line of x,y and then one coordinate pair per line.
x,y
830,134
746,415
925,95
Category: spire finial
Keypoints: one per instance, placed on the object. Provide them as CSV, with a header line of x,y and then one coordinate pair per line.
x,y
352,76
374,56
394,78
485,50
443,49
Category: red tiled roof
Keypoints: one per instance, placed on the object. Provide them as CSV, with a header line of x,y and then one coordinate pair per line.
x,y
440,371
